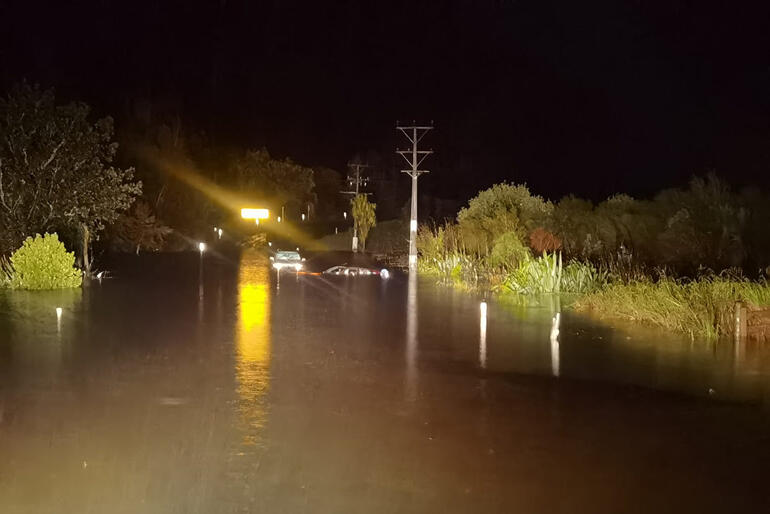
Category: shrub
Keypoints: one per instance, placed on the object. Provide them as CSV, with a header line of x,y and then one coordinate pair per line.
x,y
43,262
508,251
541,240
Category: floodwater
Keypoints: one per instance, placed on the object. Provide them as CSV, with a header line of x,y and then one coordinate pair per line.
x,y
184,385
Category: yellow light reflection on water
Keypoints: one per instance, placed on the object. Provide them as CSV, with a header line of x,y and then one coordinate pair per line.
x,y
253,345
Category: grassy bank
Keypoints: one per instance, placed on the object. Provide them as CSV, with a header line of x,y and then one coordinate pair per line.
x,y
703,307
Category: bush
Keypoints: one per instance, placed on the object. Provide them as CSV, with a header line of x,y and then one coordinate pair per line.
x,y
44,263
508,251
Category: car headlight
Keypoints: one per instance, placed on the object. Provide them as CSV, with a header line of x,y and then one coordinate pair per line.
x,y
277,265
384,273
298,266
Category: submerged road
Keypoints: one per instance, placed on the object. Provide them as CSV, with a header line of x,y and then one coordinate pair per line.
x,y
189,386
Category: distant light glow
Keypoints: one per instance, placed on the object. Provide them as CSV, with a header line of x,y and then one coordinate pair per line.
x,y
279,219
269,243
219,231
202,247
216,229
58,312
384,273
345,215
255,214
303,216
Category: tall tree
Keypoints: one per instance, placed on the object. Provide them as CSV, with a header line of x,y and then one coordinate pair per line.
x,y
56,169
364,216
274,181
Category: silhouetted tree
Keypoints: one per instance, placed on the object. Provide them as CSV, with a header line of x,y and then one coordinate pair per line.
x,y
140,229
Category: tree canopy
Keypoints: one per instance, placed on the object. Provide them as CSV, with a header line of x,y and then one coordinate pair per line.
x,y
56,168
275,181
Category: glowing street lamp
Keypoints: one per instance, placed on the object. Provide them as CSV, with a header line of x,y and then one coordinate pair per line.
x,y
303,216
345,214
219,231
202,247
255,214
279,219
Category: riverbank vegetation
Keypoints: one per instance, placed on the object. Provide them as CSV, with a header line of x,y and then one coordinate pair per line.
x,y
703,307
679,260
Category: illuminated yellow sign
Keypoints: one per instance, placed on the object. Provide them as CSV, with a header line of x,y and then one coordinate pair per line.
x,y
255,214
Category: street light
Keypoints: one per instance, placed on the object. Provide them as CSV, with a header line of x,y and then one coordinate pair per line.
x,y
345,214
303,216
202,247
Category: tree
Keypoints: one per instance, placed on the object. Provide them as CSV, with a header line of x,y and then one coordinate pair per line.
x,y
164,152
140,229
56,171
328,184
704,225
501,209
363,216
275,181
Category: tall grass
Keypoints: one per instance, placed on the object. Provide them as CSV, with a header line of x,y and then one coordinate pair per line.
x,y
702,307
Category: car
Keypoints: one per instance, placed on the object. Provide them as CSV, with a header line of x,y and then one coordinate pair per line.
x,y
287,260
356,271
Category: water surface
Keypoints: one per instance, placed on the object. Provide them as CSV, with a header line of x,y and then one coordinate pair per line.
x,y
183,385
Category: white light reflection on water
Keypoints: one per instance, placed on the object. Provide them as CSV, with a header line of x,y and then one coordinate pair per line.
x,y
483,334
411,337
555,344
252,367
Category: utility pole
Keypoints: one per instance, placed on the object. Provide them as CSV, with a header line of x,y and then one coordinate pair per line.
x,y
355,179
414,157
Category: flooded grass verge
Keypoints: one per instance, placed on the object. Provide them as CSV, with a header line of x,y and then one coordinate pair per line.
x,y
702,307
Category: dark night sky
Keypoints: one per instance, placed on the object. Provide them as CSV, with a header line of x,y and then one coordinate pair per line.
x,y
584,97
